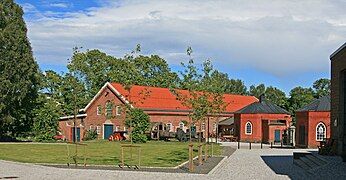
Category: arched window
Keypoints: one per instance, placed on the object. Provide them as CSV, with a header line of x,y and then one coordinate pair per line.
x,y
109,109
248,128
320,132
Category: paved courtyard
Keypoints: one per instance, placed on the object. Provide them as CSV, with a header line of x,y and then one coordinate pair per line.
x,y
243,164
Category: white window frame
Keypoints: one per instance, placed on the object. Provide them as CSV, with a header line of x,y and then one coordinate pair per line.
x,y
324,133
98,129
246,124
169,125
109,104
117,108
99,110
203,127
181,125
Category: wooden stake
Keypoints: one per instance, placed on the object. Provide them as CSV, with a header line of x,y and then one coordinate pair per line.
x,y
200,160
191,157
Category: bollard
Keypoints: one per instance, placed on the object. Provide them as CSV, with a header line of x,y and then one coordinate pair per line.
x,y
281,143
250,145
200,160
191,157
238,144
261,145
271,144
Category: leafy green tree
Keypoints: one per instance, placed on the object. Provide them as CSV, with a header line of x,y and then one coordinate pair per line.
x,y
19,74
321,87
236,86
46,118
257,91
231,86
139,123
276,96
299,97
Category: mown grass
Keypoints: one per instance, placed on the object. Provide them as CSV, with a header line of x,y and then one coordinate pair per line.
x,y
153,153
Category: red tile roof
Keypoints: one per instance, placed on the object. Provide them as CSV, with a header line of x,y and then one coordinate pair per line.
x,y
164,99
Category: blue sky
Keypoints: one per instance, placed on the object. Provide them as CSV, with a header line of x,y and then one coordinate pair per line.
x,y
279,43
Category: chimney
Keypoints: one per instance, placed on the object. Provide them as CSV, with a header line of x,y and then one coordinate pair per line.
x,y
262,98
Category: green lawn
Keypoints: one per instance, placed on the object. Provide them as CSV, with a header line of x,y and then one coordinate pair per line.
x,y
155,154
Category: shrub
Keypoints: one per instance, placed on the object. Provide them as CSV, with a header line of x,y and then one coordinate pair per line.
x,y
139,122
90,135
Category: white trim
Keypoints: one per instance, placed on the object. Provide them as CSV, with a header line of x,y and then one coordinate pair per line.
x,y
117,110
246,128
170,126
99,93
325,131
71,117
97,110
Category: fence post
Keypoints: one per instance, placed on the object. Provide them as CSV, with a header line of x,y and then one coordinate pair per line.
x,y
261,145
250,145
281,143
271,144
191,157
238,144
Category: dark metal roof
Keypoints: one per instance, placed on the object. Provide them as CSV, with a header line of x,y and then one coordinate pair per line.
x,y
321,104
262,107
338,50
227,122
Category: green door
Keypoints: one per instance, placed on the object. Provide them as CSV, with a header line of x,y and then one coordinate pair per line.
x,y
76,134
107,130
277,135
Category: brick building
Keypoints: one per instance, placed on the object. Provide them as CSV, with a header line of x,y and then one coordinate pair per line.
x,y
104,112
313,123
262,121
338,99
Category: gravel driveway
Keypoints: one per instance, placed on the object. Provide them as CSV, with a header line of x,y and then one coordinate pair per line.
x,y
243,164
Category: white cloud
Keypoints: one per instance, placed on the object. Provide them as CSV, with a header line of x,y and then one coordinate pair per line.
x,y
278,37
59,5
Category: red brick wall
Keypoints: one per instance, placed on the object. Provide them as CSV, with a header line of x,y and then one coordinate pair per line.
x,y
314,119
310,120
260,131
301,120
95,120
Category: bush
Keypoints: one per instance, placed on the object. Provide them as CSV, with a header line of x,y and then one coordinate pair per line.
x,y
139,121
90,135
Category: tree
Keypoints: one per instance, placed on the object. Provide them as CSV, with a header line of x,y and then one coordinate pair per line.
x,y
46,118
139,121
257,91
299,97
231,86
19,74
321,87
276,96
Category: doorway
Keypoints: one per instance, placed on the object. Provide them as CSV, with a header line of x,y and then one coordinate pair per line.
x,y
277,136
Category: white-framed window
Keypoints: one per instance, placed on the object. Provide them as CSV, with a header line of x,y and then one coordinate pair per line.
x,y
248,128
181,125
91,127
99,110
214,127
109,109
320,132
118,110
203,127
169,126
98,129
116,128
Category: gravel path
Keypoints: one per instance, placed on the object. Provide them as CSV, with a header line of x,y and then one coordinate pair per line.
x,y
243,164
